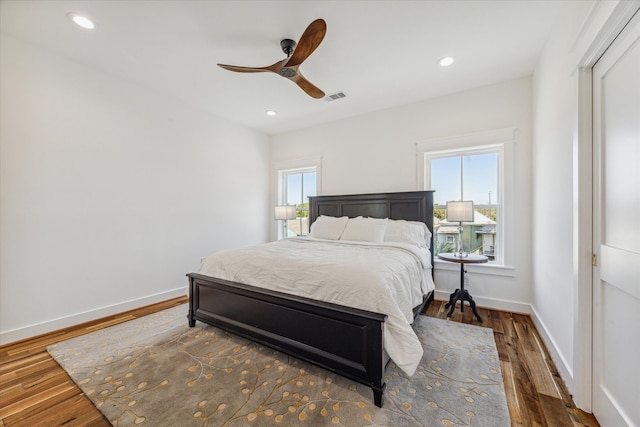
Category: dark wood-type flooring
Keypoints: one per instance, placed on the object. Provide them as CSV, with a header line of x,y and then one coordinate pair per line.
x,y
36,391
536,395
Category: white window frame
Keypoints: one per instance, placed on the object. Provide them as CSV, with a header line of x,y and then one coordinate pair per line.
x,y
283,178
284,168
500,141
493,149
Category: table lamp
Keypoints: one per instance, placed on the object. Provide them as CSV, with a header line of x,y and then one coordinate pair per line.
x,y
284,213
460,212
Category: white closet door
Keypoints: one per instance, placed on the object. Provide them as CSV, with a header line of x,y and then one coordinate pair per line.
x,y
616,234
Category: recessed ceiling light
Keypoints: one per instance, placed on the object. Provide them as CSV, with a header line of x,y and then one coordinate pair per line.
x,y
446,61
271,112
81,21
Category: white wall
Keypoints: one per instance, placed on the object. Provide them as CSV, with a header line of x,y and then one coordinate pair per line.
x,y
111,193
555,118
376,152
562,174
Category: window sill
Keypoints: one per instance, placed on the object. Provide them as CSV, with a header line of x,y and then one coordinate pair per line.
x,y
489,269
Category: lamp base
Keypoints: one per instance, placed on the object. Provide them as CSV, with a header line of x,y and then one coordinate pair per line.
x,y
460,253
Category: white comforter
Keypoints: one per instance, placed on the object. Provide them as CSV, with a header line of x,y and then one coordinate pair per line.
x,y
387,278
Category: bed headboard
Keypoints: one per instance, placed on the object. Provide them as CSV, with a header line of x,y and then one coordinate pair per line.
x,y
408,205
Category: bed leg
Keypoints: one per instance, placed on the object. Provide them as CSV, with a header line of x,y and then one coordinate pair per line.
x,y
377,394
192,289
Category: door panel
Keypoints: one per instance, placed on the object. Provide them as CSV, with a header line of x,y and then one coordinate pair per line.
x,y
616,236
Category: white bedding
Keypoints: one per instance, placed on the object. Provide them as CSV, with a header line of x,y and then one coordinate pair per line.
x,y
387,278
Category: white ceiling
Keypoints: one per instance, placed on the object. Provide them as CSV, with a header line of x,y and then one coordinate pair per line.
x,y
380,53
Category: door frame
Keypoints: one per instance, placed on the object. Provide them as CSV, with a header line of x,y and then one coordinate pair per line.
x,y
604,23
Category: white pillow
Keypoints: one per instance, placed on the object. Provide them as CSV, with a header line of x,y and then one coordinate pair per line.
x,y
365,229
328,227
413,232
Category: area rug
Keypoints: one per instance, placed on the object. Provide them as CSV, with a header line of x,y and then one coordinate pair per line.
x,y
157,371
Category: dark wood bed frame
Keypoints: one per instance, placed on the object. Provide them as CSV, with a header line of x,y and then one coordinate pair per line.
x,y
345,340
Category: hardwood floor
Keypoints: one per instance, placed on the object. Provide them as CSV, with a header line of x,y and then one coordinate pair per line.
x,y
35,391
536,395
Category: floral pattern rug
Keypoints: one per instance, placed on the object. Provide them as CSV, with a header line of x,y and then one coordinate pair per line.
x,y
156,371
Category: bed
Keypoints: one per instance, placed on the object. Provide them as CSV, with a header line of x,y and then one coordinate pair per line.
x,y
346,340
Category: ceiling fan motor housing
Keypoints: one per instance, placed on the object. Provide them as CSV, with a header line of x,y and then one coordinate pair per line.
x,y
287,72
288,46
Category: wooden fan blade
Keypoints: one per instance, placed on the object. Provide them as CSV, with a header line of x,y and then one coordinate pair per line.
x,y
275,68
307,86
309,41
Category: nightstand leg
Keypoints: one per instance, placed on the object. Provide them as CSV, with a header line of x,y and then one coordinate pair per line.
x,y
457,295
462,288
472,303
462,295
452,298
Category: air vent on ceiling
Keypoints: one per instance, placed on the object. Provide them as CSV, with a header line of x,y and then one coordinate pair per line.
x,y
335,96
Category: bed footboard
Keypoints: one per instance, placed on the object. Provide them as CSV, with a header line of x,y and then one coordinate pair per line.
x,y
345,340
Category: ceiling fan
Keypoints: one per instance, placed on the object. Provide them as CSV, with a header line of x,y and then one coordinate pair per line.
x,y
296,55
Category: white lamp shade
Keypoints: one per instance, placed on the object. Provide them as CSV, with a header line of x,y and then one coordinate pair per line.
x,y
460,211
285,212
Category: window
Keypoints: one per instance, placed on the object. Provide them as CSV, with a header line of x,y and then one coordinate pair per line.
x,y
480,167
470,174
297,186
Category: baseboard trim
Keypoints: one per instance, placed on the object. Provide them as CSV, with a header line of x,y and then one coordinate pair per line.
x,y
7,337
492,303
